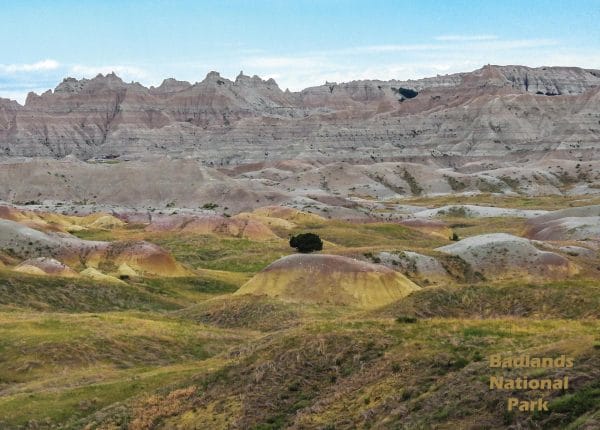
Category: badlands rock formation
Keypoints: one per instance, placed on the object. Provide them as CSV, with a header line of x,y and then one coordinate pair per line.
x,y
501,255
45,266
582,223
213,224
329,279
332,150
141,256
492,112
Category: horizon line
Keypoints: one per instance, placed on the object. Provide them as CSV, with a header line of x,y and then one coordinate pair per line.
x,y
241,74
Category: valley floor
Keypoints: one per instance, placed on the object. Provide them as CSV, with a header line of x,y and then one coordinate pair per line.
x,y
177,348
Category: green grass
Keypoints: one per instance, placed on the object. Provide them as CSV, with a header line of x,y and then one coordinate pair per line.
x,y
65,366
35,343
67,404
102,235
576,404
81,295
349,367
198,288
75,295
215,253
466,226
75,352
560,299
519,202
373,234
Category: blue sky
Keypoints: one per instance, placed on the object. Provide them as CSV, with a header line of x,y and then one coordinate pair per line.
x,y
299,43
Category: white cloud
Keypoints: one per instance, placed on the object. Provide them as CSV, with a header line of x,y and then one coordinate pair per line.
x,y
465,38
124,71
40,66
283,61
511,44
395,48
443,55
401,61
458,45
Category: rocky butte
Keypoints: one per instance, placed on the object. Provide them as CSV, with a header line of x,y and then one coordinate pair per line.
x,y
247,143
496,111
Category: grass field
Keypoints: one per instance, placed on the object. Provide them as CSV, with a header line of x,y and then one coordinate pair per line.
x,y
178,353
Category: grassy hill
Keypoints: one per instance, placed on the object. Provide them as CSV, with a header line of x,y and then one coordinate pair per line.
x,y
186,352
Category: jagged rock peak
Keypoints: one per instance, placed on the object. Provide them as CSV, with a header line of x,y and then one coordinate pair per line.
x,y
546,80
272,82
212,76
71,85
31,97
171,85
8,103
108,78
255,81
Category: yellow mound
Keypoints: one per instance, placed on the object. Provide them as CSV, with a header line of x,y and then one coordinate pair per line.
x,y
329,279
45,266
62,222
106,222
44,221
30,270
270,222
214,224
72,223
146,258
255,230
142,257
289,214
125,270
96,275
49,221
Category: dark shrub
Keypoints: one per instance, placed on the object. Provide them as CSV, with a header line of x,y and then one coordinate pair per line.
x,y
306,242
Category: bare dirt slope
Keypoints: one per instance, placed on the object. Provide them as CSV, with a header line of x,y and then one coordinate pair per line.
x,y
495,111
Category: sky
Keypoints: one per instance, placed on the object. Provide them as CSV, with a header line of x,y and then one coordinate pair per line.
x,y
299,43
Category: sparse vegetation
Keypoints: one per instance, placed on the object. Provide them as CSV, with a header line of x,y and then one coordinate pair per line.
x,y
487,186
187,351
415,188
456,212
455,184
406,319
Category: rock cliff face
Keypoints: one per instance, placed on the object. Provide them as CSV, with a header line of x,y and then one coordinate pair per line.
x,y
496,111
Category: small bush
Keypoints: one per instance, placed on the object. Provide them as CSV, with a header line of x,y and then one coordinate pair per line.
x,y
306,242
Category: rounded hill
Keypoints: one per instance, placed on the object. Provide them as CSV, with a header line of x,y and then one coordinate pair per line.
x,y
329,279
